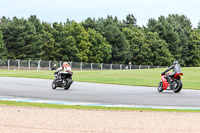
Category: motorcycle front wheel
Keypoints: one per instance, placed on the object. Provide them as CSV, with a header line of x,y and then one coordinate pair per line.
x,y
177,86
53,85
160,86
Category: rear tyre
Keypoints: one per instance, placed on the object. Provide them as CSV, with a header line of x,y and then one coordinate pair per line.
x,y
160,86
53,85
67,84
177,86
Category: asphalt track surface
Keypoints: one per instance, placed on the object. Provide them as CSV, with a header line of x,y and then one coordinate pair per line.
x,y
98,93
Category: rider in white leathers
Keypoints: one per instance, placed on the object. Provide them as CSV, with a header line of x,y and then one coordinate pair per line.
x,y
65,67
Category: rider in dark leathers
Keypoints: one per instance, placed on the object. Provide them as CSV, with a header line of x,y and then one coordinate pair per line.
x,y
176,69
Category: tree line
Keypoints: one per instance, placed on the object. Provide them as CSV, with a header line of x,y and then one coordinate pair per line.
x,y
107,40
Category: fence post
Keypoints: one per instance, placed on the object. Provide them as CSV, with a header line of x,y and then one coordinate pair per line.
x,y
18,60
130,65
38,65
101,66
148,66
60,63
140,66
70,64
50,65
157,66
111,66
92,66
81,65
29,65
8,64
17,65
120,66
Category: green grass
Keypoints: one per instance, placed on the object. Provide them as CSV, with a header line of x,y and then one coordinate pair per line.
x,y
42,105
142,77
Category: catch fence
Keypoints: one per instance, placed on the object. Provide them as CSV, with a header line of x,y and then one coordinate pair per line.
x,y
52,65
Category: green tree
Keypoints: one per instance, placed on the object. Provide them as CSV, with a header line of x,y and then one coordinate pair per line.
x,y
21,39
57,32
182,26
138,48
130,20
70,50
194,48
71,41
166,32
37,24
147,48
101,50
48,42
3,50
160,54
89,23
175,30
109,29
82,41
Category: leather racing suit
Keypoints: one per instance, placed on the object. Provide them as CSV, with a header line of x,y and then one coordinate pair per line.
x,y
176,69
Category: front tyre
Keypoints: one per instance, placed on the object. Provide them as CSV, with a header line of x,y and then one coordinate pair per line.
x,y
53,85
177,86
160,86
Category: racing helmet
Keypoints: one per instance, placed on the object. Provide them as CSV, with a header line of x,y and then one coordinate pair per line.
x,y
65,64
175,62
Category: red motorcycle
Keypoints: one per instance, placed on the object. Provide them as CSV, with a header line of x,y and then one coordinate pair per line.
x,y
175,84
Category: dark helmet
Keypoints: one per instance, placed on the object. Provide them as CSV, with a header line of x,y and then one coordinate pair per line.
x,y
175,62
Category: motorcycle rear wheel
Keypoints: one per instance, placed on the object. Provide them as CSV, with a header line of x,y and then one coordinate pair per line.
x,y
160,86
178,86
53,85
68,84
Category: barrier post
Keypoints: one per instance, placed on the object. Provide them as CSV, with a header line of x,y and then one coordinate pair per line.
x,y
18,60
140,66
9,64
92,66
60,63
50,65
81,65
38,65
120,66
29,65
101,66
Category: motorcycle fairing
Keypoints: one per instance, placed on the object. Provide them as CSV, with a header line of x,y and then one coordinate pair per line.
x,y
165,83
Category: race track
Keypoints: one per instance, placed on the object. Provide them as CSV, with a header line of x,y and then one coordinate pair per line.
x,y
98,93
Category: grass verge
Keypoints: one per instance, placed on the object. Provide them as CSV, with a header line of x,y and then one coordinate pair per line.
x,y
42,105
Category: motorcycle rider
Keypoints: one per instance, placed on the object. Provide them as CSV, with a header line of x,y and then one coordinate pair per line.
x,y
65,67
176,69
